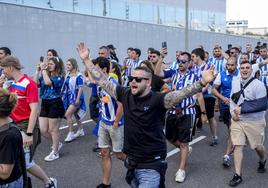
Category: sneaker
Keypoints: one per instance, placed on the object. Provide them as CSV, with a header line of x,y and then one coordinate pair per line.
x,y
80,132
236,180
180,176
226,161
52,156
96,148
214,141
52,184
261,168
70,137
102,185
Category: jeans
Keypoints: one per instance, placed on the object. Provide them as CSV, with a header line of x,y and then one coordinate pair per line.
x,y
146,178
15,184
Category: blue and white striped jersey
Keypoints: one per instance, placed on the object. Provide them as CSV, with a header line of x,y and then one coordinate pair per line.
x,y
220,64
180,81
264,71
174,65
250,56
131,65
108,106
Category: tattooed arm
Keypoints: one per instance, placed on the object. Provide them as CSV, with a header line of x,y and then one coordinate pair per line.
x,y
100,78
174,97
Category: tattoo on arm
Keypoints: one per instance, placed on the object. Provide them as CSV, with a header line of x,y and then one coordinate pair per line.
x,y
102,80
176,96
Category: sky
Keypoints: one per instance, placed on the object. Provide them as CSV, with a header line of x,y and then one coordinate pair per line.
x,y
255,11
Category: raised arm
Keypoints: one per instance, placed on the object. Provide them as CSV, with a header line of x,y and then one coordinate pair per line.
x,y
175,97
100,78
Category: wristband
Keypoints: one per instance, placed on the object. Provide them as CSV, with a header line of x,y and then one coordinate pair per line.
x,y
204,112
203,85
29,134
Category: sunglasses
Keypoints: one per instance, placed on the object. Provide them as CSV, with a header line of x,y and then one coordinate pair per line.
x,y
137,79
182,61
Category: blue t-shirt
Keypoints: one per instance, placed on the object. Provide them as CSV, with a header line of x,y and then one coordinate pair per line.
x,y
53,91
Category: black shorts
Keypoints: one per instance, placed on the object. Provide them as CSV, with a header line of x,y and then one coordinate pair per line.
x,y
52,108
185,128
225,112
93,107
210,105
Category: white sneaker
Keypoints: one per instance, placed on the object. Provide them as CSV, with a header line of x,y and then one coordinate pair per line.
x,y
80,132
180,176
52,156
70,137
53,183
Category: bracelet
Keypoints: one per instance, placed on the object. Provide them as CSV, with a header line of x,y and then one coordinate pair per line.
x,y
204,112
203,85
29,134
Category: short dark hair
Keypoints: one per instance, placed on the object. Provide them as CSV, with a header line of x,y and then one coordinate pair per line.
x,y
103,63
187,54
130,48
245,62
138,51
155,52
199,52
146,69
235,48
104,47
6,50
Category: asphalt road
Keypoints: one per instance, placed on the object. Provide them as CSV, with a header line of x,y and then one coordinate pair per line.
x,y
79,167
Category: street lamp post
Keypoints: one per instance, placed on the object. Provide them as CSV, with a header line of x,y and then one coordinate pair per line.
x,y
186,39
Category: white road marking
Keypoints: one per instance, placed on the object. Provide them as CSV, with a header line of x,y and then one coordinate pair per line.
x,y
83,122
173,152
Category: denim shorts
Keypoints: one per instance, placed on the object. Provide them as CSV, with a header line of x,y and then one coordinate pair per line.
x,y
110,137
146,178
29,163
15,184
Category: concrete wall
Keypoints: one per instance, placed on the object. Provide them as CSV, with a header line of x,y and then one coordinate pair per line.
x,y
29,32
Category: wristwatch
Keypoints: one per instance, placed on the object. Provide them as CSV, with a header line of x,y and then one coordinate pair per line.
x,y
29,134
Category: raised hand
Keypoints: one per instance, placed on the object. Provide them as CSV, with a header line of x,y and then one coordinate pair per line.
x,y
208,74
83,51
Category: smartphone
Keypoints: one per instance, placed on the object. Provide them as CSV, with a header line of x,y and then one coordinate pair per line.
x,y
164,44
41,58
229,46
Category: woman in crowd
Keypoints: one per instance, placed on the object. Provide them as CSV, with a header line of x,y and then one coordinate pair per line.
x,y
11,149
52,110
73,99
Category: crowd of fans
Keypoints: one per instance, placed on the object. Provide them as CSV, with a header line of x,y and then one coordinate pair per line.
x,y
137,105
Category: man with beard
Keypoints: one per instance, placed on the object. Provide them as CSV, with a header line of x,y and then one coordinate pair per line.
x,y
144,143
264,69
218,59
223,83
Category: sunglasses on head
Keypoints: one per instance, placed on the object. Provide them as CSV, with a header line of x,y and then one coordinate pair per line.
x,y
182,61
137,79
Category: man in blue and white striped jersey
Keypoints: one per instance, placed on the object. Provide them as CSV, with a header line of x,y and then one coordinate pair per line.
x,y
218,59
181,78
264,69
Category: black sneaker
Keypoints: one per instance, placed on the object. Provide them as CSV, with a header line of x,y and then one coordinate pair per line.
x,y
261,168
236,180
102,185
96,148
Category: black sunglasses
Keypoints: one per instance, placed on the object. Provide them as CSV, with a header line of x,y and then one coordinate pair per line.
x,y
137,79
182,61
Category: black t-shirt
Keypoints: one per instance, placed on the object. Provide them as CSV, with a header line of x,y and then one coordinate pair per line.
x,y
157,83
144,121
10,149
